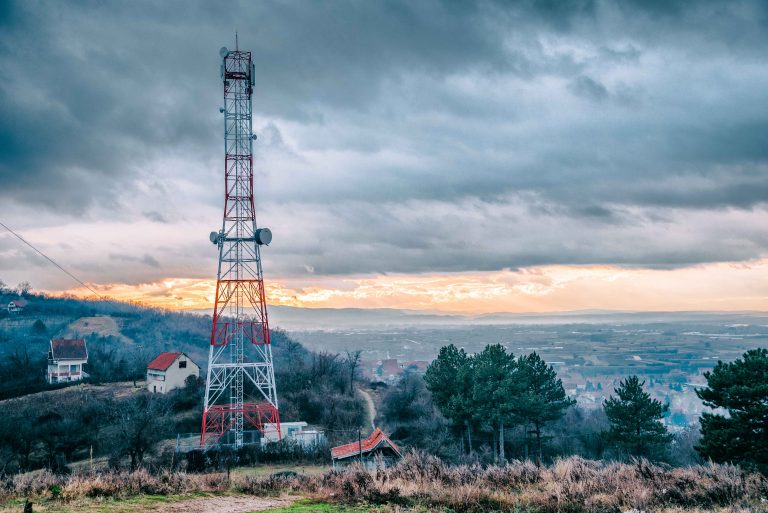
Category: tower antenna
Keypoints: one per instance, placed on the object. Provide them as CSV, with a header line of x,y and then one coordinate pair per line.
x,y
240,390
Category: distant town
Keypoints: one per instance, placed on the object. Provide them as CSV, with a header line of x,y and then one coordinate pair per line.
x,y
590,358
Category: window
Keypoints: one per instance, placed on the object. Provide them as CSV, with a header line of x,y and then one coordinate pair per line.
x,y
183,364
74,368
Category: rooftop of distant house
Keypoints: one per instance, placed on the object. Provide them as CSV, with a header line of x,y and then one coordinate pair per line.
x,y
69,349
163,361
376,439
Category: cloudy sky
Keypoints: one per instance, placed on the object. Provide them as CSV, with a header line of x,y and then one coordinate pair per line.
x,y
442,156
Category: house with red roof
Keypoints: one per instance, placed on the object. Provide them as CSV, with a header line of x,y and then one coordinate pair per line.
x,y
170,371
66,358
376,451
390,369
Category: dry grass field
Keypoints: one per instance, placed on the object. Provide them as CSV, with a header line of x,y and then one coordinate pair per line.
x,y
418,483
102,325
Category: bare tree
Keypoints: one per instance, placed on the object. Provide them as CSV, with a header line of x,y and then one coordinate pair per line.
x,y
323,363
141,421
353,362
24,288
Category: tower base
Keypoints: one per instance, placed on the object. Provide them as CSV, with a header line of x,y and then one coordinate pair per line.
x,y
219,418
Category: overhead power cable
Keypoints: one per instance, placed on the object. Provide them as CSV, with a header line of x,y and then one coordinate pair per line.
x,y
51,260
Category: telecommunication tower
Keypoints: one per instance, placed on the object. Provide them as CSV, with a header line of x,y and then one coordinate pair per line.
x,y
240,390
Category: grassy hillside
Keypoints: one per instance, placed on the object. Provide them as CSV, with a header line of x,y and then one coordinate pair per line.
x,y
124,327
122,338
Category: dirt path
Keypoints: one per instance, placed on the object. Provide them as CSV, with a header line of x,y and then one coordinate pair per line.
x,y
371,406
242,504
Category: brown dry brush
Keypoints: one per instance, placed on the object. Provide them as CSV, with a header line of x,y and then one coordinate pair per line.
x,y
110,484
571,485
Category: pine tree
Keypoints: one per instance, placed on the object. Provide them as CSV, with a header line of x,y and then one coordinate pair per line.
x,y
635,418
496,385
442,375
741,388
543,397
449,378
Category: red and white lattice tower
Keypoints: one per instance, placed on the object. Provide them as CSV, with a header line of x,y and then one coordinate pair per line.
x,y
240,390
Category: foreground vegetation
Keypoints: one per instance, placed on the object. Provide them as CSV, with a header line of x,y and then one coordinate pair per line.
x,y
423,482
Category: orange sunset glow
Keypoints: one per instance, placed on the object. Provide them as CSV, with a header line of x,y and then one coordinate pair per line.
x,y
721,287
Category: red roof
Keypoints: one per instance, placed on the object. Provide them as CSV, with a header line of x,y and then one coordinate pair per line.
x,y
21,302
68,349
163,361
390,367
372,442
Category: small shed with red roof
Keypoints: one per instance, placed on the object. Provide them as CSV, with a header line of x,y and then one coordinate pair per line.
x,y
376,451
169,371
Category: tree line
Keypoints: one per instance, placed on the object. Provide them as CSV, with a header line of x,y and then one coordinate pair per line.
x,y
493,391
493,396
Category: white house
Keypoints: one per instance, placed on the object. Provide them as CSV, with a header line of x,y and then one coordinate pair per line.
x,y
66,358
170,371
295,431
17,306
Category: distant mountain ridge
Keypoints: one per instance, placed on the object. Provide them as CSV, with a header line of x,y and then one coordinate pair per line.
x,y
295,318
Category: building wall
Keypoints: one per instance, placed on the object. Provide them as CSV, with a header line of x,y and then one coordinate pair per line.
x,y
287,430
156,381
67,370
174,377
309,438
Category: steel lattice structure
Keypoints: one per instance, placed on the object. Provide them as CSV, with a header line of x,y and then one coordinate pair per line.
x,y
240,389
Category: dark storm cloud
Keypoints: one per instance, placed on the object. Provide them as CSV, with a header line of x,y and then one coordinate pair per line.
x,y
589,88
451,237
91,91
601,123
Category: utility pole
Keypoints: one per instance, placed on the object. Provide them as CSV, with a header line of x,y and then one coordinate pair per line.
x,y
240,387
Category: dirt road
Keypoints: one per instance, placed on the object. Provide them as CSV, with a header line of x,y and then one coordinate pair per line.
x,y
371,406
241,504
